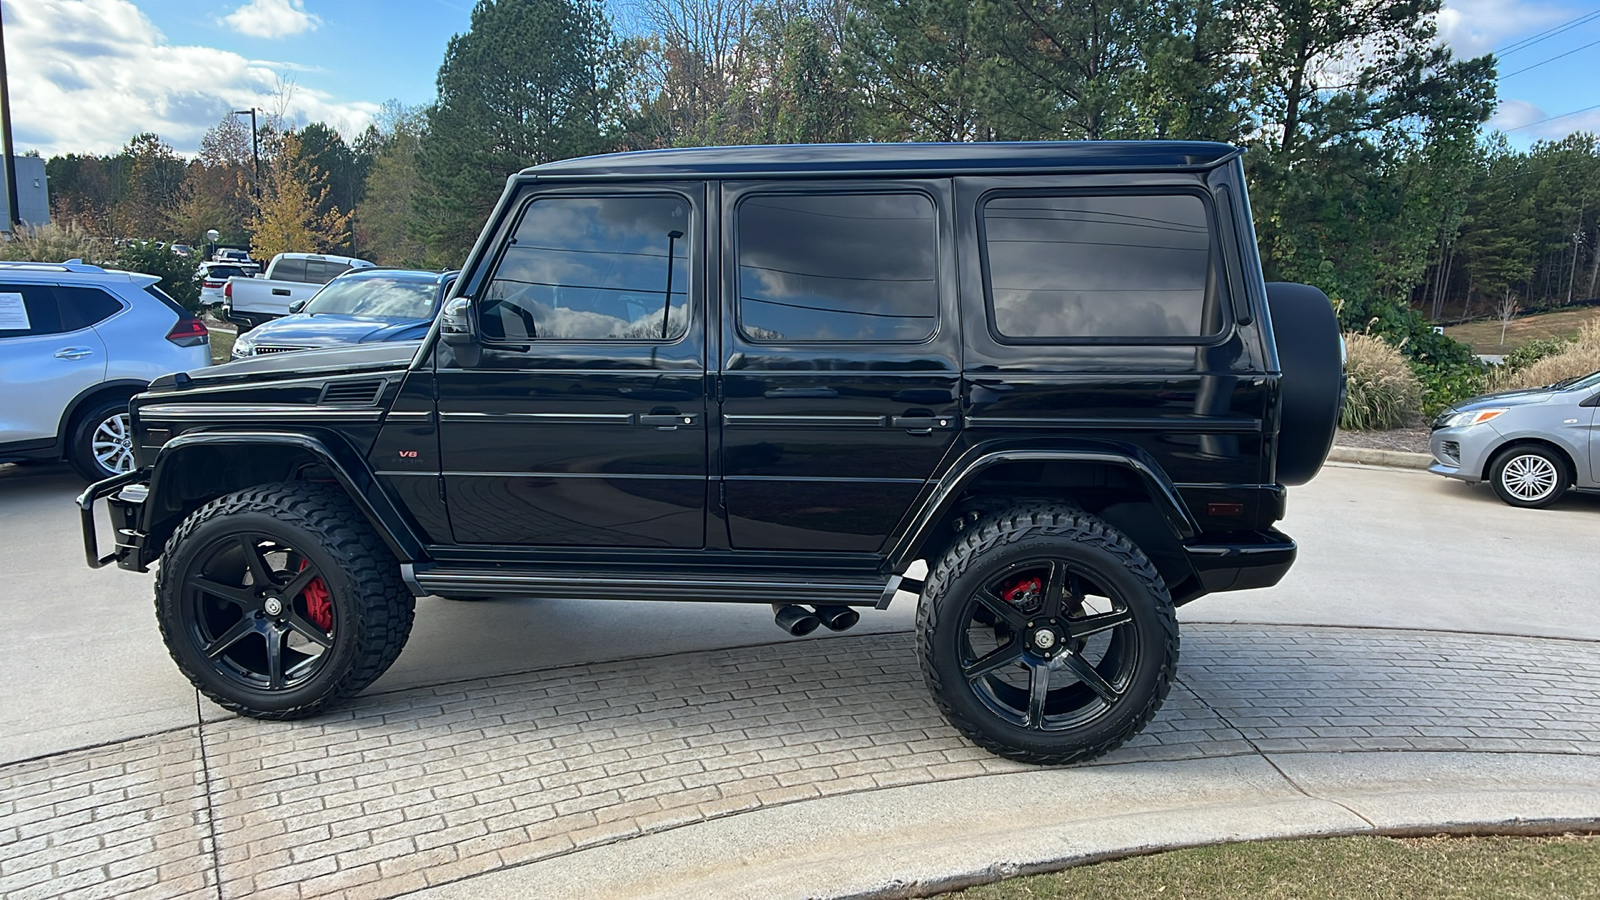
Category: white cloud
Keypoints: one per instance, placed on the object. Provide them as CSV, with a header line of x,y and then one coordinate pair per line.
x,y
1529,122
86,75
272,18
1475,27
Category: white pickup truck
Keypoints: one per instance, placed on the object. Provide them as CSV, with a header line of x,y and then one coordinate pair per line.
x,y
248,302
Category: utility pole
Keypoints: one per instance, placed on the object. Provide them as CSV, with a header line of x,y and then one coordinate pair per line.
x,y
14,217
255,145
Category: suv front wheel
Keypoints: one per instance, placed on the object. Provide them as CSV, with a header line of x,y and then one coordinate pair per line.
x,y
1046,636
278,600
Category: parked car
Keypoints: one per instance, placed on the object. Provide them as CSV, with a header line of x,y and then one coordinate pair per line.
x,y
361,306
76,342
1532,446
233,255
775,375
213,277
248,302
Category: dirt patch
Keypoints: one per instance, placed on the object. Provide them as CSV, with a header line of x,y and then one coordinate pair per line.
x,y
1409,440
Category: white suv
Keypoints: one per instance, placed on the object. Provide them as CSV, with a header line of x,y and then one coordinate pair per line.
x,y
76,342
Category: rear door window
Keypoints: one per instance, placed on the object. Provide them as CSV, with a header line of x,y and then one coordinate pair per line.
x,y
1130,267
837,267
28,309
289,270
82,307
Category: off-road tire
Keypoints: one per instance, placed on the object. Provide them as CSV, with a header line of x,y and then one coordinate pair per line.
x,y
1085,541
373,610
1534,460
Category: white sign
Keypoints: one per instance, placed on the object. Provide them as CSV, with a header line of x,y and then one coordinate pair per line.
x,y
13,314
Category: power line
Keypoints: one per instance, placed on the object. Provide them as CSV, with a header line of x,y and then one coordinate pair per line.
x,y
1552,118
1525,43
1550,60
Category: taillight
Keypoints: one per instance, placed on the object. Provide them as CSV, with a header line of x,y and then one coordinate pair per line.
x,y
227,291
212,284
189,332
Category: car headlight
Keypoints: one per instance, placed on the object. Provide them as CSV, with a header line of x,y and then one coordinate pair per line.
x,y
1472,417
244,346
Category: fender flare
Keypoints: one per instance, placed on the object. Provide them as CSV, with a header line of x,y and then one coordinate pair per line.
x,y
348,469
965,470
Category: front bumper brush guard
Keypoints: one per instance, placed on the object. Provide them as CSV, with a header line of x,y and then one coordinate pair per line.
x,y
124,519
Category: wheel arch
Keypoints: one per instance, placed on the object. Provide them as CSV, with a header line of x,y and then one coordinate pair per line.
x,y
1119,484
105,390
1562,453
193,469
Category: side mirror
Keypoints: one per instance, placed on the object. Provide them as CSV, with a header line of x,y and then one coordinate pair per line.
x,y
297,306
455,324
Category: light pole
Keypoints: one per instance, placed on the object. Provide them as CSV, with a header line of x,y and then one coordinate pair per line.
x,y
212,236
14,217
255,145
666,308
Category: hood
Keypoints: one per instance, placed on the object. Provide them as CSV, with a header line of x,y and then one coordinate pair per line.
x,y
1522,397
332,330
345,359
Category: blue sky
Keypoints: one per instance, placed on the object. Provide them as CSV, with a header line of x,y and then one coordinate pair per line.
x,y
88,74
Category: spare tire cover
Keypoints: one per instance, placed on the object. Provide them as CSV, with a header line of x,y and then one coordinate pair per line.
x,y
1311,356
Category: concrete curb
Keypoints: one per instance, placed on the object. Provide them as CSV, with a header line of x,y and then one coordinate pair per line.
x,y
1368,456
920,840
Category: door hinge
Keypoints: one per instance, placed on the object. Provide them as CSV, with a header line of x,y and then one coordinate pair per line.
x,y
722,494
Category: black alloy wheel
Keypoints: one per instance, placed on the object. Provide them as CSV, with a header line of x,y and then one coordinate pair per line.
x,y
1046,636
277,600
260,612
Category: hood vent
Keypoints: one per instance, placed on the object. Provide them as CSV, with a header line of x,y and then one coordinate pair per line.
x,y
351,393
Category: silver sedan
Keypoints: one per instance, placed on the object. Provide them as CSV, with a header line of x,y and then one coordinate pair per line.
x,y
1531,445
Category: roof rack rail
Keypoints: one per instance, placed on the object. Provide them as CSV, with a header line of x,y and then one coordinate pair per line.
x,y
71,265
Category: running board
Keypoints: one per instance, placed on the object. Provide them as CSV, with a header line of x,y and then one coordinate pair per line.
x,y
876,590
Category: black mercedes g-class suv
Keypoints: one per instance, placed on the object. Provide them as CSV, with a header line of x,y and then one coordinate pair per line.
x,y
783,375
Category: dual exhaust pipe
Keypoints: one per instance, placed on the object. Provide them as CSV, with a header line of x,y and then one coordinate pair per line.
x,y
800,620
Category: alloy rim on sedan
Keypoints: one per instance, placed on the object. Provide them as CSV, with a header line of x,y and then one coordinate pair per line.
x,y
112,444
1530,477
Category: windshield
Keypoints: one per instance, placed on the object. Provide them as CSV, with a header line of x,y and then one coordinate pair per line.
x,y
1580,381
376,296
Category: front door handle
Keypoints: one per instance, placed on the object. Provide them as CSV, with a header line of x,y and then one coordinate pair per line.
x,y
73,352
669,420
922,424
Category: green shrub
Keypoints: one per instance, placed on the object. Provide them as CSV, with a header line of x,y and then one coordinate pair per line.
x,y
1448,369
1382,390
176,272
1576,357
1533,351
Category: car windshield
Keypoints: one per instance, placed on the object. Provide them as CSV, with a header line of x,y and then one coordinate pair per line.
x,y
1578,382
376,296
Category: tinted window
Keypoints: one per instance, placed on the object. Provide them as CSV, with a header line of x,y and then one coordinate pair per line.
x,y
593,268
223,273
1127,266
38,306
319,272
289,270
837,267
377,296
82,307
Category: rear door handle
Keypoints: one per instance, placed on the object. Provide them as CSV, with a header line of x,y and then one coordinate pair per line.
x,y
73,352
669,420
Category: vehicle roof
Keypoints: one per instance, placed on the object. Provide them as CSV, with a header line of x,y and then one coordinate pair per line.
x,y
894,159
421,275
361,263
70,271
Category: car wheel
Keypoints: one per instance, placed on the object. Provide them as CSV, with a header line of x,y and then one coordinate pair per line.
x,y
1046,636
278,600
1530,477
102,441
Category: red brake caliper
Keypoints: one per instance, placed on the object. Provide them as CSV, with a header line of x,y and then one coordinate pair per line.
x,y
319,602
1023,591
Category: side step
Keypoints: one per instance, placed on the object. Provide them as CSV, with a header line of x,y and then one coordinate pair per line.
x,y
723,587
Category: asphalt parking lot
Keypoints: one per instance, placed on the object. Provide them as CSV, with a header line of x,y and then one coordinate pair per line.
x,y
522,737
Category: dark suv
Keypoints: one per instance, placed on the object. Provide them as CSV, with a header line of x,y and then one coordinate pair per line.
x,y
778,375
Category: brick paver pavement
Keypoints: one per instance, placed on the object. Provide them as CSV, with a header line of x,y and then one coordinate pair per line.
x,y
398,791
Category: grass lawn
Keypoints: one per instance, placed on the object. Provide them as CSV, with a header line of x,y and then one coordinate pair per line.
x,y
1484,336
1369,868
221,344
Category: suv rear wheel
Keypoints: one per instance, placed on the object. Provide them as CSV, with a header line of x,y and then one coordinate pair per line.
x,y
1046,636
102,441
278,600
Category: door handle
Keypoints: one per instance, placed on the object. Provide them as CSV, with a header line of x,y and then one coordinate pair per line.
x,y
73,352
280,292
669,420
922,424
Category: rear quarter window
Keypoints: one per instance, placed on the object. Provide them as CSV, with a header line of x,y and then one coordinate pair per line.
x,y
1136,267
